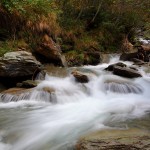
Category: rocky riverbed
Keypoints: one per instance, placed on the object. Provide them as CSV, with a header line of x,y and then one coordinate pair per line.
x,y
101,107
129,139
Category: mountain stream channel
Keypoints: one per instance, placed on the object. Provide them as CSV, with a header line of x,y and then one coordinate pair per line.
x,y
44,121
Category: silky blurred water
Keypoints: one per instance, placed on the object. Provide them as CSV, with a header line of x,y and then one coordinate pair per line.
x,y
43,121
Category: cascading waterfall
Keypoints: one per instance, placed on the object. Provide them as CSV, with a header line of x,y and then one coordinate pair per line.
x,y
60,110
118,87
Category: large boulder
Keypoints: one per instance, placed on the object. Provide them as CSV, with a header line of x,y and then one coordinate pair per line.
x,y
131,139
18,66
126,72
50,51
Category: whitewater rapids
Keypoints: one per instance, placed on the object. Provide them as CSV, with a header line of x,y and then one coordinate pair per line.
x,y
37,123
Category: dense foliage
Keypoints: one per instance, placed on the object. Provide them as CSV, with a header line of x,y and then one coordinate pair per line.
x,y
78,25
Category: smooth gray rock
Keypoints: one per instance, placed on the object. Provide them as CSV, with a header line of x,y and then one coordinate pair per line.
x,y
18,64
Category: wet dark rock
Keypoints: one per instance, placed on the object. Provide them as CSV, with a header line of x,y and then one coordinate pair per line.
x,y
80,77
126,72
111,67
48,90
18,66
131,139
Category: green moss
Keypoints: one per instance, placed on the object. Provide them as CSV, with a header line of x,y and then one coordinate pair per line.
x,y
3,51
8,46
71,23
4,48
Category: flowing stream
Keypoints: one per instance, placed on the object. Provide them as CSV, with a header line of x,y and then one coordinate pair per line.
x,y
44,121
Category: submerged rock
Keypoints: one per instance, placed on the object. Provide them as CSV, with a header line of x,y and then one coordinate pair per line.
x,y
126,72
15,94
28,84
131,139
48,90
16,91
